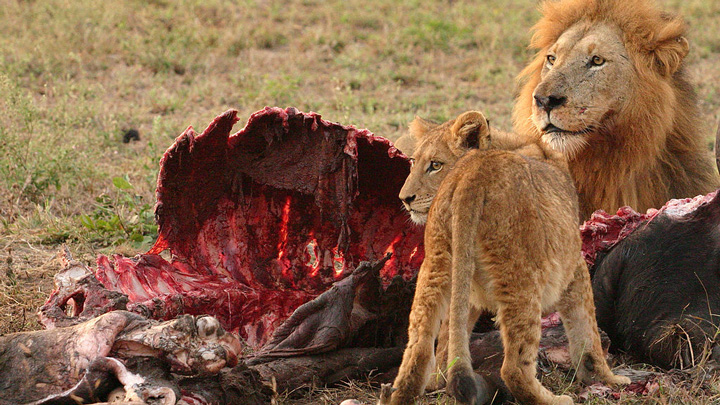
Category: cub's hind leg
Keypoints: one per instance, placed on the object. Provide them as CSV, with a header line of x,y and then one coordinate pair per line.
x,y
463,384
519,315
429,305
438,378
577,311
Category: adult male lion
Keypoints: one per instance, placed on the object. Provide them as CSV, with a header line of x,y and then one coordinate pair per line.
x,y
501,235
608,89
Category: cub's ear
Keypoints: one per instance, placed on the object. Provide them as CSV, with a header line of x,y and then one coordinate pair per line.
x,y
406,144
471,130
420,126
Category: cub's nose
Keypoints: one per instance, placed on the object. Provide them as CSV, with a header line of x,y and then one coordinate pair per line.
x,y
549,102
408,199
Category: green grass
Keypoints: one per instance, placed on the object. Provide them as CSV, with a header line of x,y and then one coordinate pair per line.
x,y
75,74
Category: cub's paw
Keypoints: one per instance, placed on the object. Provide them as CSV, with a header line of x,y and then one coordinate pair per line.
x,y
562,400
386,391
437,382
615,379
390,395
468,388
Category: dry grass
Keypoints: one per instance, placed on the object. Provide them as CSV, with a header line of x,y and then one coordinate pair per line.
x,y
676,387
75,74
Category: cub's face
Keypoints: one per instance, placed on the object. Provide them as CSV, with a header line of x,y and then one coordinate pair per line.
x,y
438,148
586,78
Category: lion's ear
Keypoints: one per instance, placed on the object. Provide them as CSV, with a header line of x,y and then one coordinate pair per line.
x,y
420,126
670,46
471,130
669,55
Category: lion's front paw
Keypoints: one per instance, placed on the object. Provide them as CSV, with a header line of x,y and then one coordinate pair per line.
x,y
468,388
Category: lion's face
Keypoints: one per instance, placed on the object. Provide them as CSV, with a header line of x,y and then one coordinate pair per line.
x,y
607,89
439,147
585,80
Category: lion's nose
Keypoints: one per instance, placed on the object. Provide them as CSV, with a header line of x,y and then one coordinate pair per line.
x,y
550,102
408,199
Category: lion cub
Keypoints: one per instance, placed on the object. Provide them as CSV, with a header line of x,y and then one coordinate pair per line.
x,y
501,235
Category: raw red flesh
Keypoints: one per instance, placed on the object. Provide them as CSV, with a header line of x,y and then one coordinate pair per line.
x,y
603,231
263,220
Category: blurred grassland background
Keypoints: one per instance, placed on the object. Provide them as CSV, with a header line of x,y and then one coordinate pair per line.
x,y
76,74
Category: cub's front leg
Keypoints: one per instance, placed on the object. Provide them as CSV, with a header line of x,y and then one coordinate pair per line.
x,y
430,302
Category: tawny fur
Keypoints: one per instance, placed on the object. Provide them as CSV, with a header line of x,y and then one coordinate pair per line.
x,y
406,144
646,143
434,143
502,236
427,141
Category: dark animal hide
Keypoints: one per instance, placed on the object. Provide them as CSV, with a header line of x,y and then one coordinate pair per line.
x,y
656,279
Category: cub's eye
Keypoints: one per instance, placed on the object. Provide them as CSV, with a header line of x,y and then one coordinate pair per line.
x,y
550,60
597,60
435,166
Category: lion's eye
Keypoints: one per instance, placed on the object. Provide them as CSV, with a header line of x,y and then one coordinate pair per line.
x,y
597,60
435,166
550,60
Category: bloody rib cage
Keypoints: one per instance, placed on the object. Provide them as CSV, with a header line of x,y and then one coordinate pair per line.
x,y
263,220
